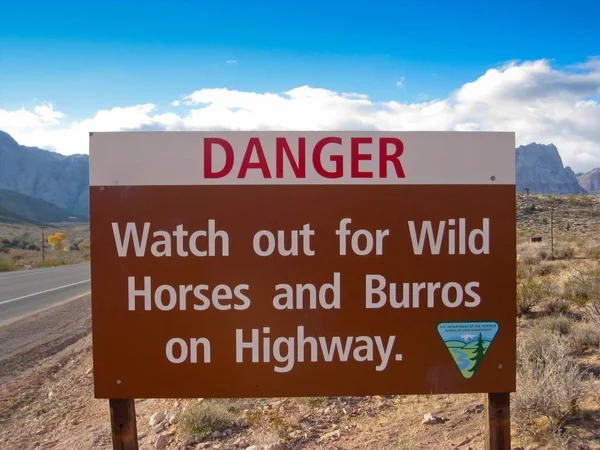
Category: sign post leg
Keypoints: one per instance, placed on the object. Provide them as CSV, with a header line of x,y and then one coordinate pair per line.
x,y
123,425
497,421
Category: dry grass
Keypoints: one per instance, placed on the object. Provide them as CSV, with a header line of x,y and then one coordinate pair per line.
x,y
20,246
266,437
557,323
530,293
203,418
556,403
584,336
583,289
6,264
549,381
557,306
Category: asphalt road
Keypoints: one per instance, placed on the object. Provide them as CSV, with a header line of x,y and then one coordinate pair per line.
x,y
26,292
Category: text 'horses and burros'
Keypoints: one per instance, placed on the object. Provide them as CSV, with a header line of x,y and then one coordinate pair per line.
x,y
449,237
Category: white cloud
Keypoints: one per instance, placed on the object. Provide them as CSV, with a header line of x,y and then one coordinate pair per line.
x,y
231,61
73,138
42,116
540,103
400,82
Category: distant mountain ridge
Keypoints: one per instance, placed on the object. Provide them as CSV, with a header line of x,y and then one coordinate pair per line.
x,y
540,169
590,181
33,209
11,217
64,180
58,179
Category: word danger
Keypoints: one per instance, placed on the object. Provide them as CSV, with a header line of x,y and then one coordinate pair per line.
x,y
325,159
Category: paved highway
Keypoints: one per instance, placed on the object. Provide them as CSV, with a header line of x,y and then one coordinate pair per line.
x,y
23,293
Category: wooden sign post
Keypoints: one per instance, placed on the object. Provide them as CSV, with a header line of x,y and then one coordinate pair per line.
x,y
277,264
123,424
497,421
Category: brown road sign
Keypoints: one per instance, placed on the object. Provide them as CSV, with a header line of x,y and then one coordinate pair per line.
x,y
241,264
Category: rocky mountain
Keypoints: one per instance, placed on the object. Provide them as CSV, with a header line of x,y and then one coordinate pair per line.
x,y
58,179
33,209
64,180
590,181
540,169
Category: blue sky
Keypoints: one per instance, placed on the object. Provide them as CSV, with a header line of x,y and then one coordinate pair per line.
x,y
68,67
84,56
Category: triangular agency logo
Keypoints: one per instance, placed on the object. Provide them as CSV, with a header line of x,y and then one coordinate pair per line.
x,y
468,342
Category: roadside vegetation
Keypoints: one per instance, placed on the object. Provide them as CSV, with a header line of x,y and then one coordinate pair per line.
x,y
203,418
558,310
21,247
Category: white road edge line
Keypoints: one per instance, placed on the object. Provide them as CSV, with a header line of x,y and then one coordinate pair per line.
x,y
43,292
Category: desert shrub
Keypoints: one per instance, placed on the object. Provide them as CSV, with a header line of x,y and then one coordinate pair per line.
x,y
592,251
546,268
564,252
555,324
543,269
205,417
544,254
584,336
16,244
549,380
532,208
572,199
557,306
16,255
50,263
6,265
583,288
529,258
530,292
85,249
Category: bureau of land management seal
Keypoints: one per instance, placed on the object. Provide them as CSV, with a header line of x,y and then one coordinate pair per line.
x,y
468,343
